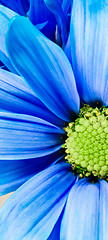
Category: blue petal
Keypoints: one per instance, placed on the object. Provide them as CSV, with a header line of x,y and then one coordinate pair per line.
x,y
5,16
39,13
44,66
55,234
17,96
40,26
66,4
89,43
61,9
67,50
15,173
25,136
19,6
103,213
81,215
36,206
56,8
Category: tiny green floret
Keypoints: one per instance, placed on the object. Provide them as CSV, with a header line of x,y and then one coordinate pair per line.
x,y
86,145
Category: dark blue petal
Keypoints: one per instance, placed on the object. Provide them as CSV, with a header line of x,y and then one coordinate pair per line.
x,y
5,16
89,43
66,4
39,13
81,215
14,173
2,66
19,6
56,8
44,66
35,207
24,136
17,96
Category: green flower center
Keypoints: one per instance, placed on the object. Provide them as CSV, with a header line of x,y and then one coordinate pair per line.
x,y
86,145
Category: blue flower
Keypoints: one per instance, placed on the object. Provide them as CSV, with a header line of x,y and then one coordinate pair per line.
x,y
53,204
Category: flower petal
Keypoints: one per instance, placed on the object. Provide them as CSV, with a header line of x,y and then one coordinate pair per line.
x,y
103,216
19,6
67,50
89,43
66,4
24,136
81,214
55,234
5,16
44,66
39,13
56,8
17,96
14,173
36,206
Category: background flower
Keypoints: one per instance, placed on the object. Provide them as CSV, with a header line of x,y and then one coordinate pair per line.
x,y
55,24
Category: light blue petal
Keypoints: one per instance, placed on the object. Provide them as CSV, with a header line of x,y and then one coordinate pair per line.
x,y
81,215
33,210
40,26
89,45
24,136
14,173
103,213
19,6
5,16
44,66
39,13
17,96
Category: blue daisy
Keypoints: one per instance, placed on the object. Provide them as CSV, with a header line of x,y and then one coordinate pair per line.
x,y
56,203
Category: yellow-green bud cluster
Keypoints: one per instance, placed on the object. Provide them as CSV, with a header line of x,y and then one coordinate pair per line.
x,y
86,145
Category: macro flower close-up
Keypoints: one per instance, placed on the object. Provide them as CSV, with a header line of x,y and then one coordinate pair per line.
x,y
54,125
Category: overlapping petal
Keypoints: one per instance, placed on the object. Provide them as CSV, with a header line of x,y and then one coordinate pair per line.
x,y
56,8
61,9
39,13
17,96
81,215
44,66
86,214
89,43
67,50
32,211
19,6
13,173
24,136
66,4
5,15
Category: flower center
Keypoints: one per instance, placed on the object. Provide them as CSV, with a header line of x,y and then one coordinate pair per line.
x,y
86,145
